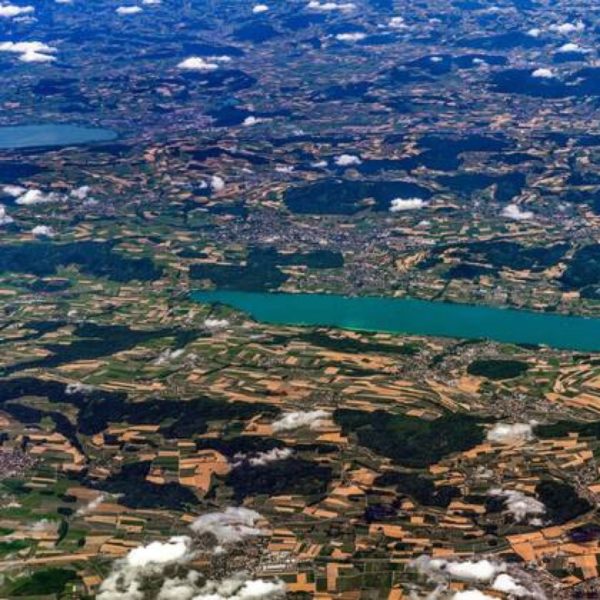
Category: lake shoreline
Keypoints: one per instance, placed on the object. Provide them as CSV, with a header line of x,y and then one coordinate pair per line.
x,y
414,317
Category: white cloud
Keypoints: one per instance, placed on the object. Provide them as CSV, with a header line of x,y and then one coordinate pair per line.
x,y
11,10
572,47
509,433
217,183
198,63
43,231
91,506
543,73
36,57
347,160
5,219
78,388
251,120
350,37
127,575
30,51
176,549
397,23
21,47
566,28
128,10
34,196
481,570
441,570
516,213
507,584
294,420
179,588
331,6
13,190
241,588
534,32
80,193
402,204
168,355
230,526
216,323
259,8
262,458
523,508
151,2
236,587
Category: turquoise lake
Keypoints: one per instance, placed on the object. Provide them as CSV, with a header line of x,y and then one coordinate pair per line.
x,y
419,317
32,136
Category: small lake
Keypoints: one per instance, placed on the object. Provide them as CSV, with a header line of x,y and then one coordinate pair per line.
x,y
416,317
33,136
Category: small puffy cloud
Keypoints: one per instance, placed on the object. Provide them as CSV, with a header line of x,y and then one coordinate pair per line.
x,y
534,32
566,28
80,193
35,196
507,584
295,420
167,356
572,47
21,47
259,8
397,23
510,433
235,587
30,52
331,6
516,213
126,578
216,323
9,11
217,183
260,459
5,219
199,63
123,11
543,73
230,526
91,506
441,570
481,570
79,388
403,204
241,588
14,191
347,160
43,231
250,120
151,2
176,549
36,57
523,508
350,37
180,588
